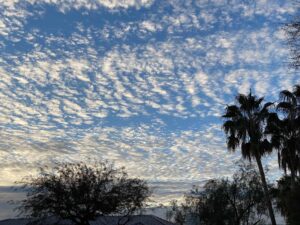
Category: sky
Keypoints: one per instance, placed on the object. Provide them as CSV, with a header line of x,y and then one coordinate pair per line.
x,y
142,83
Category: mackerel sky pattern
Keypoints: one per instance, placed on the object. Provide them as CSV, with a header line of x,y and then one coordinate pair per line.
x,y
142,83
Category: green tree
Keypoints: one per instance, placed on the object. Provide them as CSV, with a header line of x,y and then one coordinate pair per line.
x,y
79,193
244,127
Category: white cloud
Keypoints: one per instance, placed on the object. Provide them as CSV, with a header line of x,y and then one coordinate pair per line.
x,y
141,92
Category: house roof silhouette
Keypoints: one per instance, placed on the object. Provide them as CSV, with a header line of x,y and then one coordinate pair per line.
x,y
102,220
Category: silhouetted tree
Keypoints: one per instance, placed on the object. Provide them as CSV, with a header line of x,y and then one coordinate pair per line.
x,y
176,213
244,127
286,132
239,201
79,193
288,200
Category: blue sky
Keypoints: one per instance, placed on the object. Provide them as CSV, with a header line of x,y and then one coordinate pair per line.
x,y
142,83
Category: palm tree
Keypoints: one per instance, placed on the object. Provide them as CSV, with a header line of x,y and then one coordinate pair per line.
x,y
286,132
244,128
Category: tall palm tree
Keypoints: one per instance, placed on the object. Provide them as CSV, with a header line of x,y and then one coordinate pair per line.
x,y
244,128
286,132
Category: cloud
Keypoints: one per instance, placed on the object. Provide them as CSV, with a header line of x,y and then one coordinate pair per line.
x,y
139,82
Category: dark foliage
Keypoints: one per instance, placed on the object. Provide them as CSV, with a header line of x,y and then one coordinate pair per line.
x,y
285,131
177,213
79,193
239,201
288,200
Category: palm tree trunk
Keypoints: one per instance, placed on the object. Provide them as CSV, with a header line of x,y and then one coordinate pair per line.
x,y
265,187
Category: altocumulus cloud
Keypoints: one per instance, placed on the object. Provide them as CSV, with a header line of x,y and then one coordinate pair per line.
x,y
140,82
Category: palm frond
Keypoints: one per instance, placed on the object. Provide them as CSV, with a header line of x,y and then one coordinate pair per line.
x,y
258,102
288,96
246,150
232,142
265,147
276,141
232,111
297,91
267,106
229,127
285,107
243,101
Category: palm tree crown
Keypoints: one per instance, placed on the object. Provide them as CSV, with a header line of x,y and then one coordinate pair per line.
x,y
244,126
